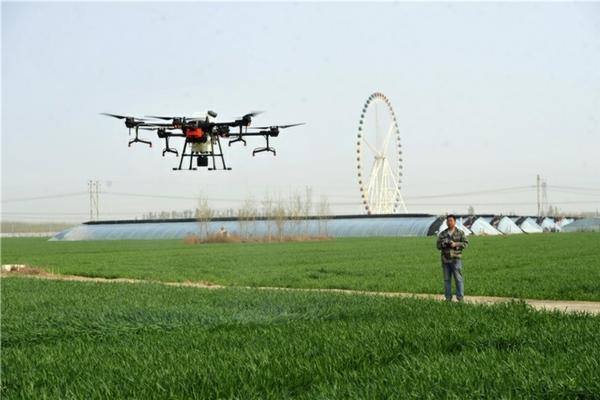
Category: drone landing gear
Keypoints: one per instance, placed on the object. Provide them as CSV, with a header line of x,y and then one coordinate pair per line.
x,y
168,149
239,139
261,149
220,154
137,139
183,155
267,148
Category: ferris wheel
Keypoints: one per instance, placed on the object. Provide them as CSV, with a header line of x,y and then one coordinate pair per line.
x,y
379,157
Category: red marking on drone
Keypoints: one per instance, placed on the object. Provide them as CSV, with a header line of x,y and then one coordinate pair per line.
x,y
194,133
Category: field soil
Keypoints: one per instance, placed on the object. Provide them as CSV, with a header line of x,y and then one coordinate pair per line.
x,y
592,307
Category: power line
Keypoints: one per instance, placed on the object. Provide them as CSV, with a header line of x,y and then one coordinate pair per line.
x,y
576,193
480,192
54,196
63,213
432,196
159,196
347,203
491,191
575,188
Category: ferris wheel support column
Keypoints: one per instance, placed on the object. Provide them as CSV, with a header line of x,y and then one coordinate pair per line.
x,y
383,187
399,194
371,193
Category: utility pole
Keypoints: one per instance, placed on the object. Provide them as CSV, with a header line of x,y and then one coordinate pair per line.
x,y
544,198
94,190
538,194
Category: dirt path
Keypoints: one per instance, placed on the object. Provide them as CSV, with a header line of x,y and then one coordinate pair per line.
x,y
592,307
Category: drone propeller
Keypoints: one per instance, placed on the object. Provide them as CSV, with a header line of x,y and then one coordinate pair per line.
x,y
246,119
127,117
277,126
157,117
291,125
115,115
252,114
122,116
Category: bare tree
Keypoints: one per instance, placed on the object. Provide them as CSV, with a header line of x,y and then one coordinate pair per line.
x,y
204,215
280,218
295,210
246,218
267,208
307,209
324,211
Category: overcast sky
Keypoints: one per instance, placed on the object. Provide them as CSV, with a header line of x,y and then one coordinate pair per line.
x,y
487,97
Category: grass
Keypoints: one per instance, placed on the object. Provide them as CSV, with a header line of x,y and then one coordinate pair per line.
x,y
543,266
74,340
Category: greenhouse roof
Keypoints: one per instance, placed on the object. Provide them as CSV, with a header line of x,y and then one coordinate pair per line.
x,y
549,225
564,221
583,225
336,226
528,225
480,226
459,225
505,225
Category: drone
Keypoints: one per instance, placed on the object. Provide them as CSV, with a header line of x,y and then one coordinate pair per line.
x,y
202,136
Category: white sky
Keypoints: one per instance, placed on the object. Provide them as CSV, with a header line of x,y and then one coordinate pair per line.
x,y
487,96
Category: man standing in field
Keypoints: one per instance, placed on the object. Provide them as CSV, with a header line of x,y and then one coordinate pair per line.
x,y
451,242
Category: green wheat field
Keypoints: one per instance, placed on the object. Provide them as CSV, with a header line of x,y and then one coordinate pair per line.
x,y
82,340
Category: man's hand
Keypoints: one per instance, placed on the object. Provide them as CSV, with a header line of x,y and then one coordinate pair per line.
x,y
454,244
